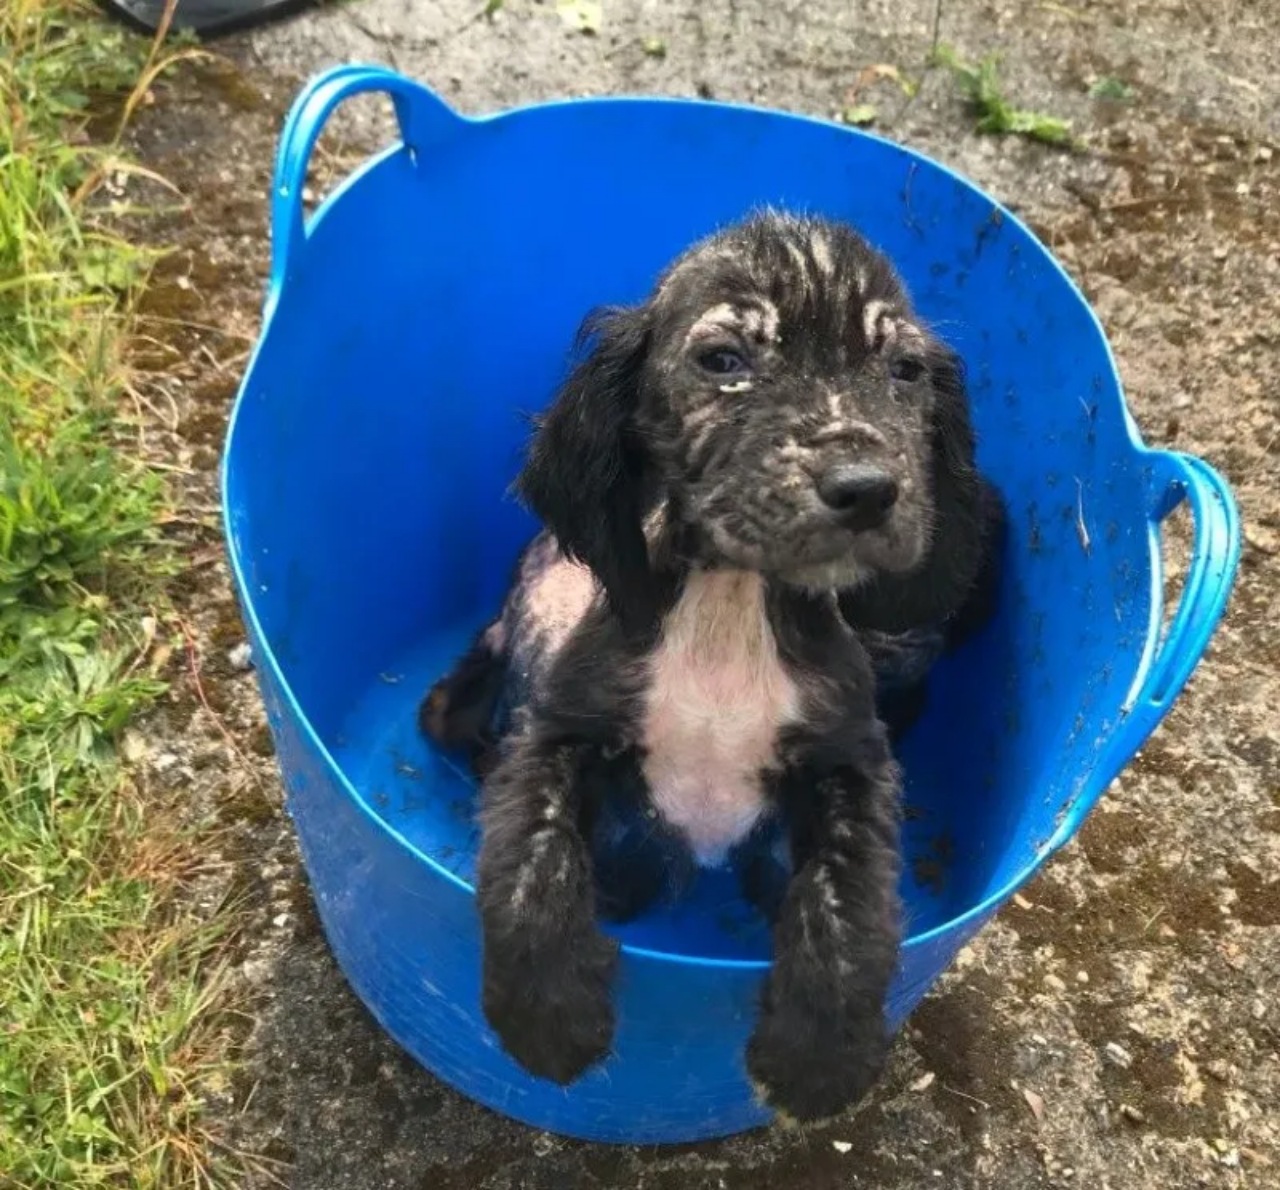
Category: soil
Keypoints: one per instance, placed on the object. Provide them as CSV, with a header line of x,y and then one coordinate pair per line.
x,y
1117,1026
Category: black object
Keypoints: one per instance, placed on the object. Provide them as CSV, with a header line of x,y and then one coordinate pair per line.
x,y
208,18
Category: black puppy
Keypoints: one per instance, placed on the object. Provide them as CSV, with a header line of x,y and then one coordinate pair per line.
x,y
760,503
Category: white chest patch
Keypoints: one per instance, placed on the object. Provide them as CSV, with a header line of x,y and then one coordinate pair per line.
x,y
717,697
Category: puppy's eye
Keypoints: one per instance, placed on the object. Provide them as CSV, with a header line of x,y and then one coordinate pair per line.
x,y
906,369
721,361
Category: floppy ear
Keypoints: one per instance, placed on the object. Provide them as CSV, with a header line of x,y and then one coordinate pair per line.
x,y
968,524
584,473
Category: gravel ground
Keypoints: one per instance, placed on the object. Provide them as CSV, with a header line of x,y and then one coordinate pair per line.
x,y
1118,1026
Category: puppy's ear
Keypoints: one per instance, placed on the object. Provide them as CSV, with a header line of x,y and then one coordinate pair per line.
x,y
967,530
584,475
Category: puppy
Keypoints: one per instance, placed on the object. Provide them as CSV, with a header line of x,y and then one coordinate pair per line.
x,y
761,513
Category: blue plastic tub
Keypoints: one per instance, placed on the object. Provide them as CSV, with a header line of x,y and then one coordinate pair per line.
x,y
432,303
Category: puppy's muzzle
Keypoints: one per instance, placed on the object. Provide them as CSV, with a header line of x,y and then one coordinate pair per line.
x,y
861,494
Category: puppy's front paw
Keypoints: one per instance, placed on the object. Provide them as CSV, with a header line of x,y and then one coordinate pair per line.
x,y
811,1060
552,1009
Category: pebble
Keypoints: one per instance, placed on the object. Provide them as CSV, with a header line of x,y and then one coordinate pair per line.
x,y
1262,539
241,657
1117,1055
841,1146
543,1145
133,747
1054,984
255,971
1082,977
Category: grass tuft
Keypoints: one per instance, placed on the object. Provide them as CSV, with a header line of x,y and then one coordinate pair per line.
x,y
107,1029
993,112
1114,89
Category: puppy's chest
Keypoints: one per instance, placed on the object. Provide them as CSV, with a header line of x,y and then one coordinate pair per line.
x,y
717,697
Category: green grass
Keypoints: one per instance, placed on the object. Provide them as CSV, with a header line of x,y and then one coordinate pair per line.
x,y
992,111
106,1031
1114,89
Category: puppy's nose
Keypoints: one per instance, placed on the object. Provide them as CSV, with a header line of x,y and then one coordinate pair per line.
x,y
861,493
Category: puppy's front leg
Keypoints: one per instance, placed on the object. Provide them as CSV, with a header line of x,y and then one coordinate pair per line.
x,y
821,1040
548,970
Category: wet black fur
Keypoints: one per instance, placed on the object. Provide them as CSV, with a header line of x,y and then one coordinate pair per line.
x,y
568,835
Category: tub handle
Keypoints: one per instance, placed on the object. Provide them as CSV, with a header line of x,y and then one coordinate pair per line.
x,y
1215,554
420,113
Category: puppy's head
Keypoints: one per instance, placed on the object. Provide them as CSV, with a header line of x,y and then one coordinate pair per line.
x,y
777,397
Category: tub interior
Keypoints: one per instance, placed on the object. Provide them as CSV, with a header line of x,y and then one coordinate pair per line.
x,y
371,457
431,800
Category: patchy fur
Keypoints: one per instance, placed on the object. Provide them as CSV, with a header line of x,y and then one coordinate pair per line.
x,y
763,523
